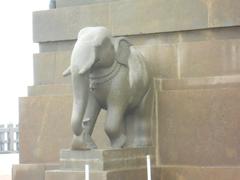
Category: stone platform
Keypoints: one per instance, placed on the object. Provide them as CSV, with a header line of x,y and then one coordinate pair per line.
x,y
103,164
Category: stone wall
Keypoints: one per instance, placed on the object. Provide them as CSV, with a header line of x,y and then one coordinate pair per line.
x,y
193,47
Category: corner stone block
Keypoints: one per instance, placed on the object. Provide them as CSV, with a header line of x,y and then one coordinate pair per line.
x,y
45,128
65,23
31,171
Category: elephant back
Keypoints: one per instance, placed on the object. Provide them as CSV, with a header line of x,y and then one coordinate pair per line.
x,y
138,70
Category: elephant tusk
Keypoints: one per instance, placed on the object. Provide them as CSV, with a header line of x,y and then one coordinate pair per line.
x,y
67,72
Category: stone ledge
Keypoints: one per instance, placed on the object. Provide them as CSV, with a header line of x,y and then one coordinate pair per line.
x,y
67,3
125,174
200,83
137,17
206,58
199,173
164,85
31,171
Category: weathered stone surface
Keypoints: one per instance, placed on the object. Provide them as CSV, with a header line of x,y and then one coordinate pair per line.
x,y
65,23
209,58
157,21
48,67
170,38
166,84
31,171
199,127
206,58
43,67
125,174
106,159
67,3
162,59
223,13
142,17
45,128
137,17
46,90
199,173
57,46
201,83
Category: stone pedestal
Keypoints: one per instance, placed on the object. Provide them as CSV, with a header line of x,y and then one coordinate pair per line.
x,y
104,164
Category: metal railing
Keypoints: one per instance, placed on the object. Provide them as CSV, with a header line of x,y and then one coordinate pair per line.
x,y
9,139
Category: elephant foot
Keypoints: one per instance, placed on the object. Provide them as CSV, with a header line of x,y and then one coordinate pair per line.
x,y
119,142
83,142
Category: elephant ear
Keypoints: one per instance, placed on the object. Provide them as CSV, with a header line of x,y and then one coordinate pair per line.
x,y
122,48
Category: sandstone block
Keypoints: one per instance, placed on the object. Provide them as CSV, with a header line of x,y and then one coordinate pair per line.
x,y
199,173
31,171
141,17
201,83
45,128
65,23
67,3
106,159
223,13
199,127
50,90
209,58
125,174
48,67
170,38
162,60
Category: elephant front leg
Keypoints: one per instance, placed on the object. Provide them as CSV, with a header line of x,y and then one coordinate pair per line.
x,y
83,141
114,126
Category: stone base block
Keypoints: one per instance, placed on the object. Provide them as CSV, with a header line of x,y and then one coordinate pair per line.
x,y
124,174
107,159
199,173
31,171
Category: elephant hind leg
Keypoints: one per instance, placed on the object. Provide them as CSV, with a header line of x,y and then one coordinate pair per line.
x,y
138,123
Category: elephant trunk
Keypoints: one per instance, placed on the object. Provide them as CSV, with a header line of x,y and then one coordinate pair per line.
x,y
80,98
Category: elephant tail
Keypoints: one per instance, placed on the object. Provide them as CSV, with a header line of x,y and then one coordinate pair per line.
x,y
67,72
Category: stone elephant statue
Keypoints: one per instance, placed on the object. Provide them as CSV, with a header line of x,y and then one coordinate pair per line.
x,y
109,73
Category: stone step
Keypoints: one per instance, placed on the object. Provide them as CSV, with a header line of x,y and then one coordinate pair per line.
x,y
164,172
166,16
99,165
206,58
31,171
200,83
107,154
106,159
224,33
232,81
124,174
199,172
67,3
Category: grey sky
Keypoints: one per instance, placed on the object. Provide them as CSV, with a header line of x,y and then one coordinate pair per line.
x,y
16,53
